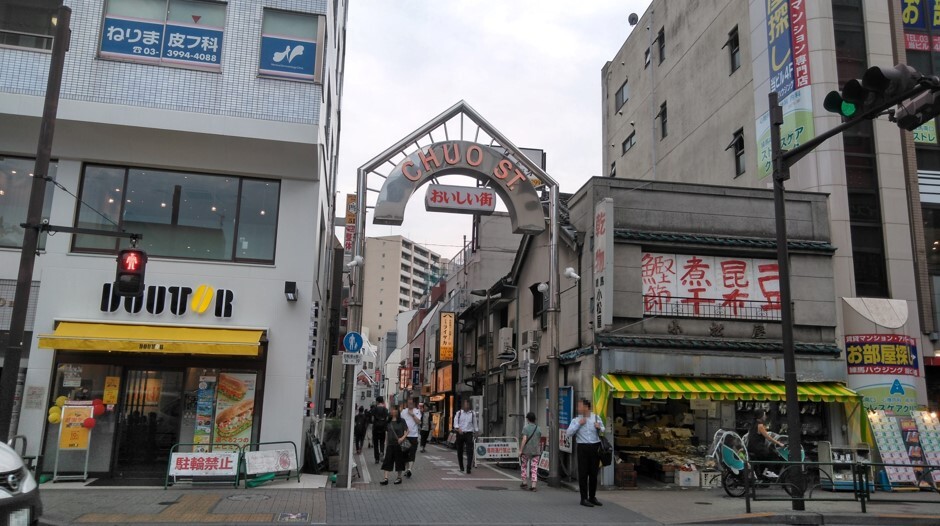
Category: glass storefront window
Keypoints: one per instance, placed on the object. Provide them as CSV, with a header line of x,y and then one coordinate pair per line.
x,y
16,182
180,215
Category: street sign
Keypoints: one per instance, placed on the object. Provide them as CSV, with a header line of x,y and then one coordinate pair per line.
x,y
352,358
352,341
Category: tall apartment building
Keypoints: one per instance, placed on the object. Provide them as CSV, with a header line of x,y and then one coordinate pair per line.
x,y
685,99
398,274
211,128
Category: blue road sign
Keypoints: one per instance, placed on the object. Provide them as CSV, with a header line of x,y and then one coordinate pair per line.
x,y
352,341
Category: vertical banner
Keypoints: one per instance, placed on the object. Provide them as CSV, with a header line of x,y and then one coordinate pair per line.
x,y
205,398
603,264
788,57
446,353
112,386
73,435
235,408
351,210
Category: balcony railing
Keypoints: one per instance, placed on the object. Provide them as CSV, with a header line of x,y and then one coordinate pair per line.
x,y
681,307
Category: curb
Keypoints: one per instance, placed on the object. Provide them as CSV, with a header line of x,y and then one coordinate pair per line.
x,y
819,519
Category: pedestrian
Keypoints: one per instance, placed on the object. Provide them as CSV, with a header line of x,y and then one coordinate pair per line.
x,y
587,426
465,423
412,418
425,426
395,453
369,414
361,423
380,418
529,451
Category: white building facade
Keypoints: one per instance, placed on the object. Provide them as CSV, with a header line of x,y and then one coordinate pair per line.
x,y
211,129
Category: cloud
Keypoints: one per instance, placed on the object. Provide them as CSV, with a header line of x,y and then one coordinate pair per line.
x,y
531,68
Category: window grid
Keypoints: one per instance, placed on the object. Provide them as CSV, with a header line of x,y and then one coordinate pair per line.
x,y
628,143
734,49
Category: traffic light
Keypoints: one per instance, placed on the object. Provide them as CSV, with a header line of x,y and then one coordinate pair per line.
x,y
129,281
877,87
917,110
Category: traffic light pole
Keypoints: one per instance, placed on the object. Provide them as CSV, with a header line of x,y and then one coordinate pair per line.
x,y
12,345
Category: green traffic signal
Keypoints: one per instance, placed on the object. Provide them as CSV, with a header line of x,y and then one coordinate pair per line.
x,y
834,103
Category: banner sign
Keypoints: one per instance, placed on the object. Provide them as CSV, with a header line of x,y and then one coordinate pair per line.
x,y
710,286
914,15
135,38
271,461
291,58
926,133
351,210
205,406
796,129
447,337
604,264
881,354
497,448
218,464
460,199
112,385
235,407
155,41
193,45
73,435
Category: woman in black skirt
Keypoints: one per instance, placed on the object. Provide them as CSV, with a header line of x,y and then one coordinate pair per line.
x,y
395,457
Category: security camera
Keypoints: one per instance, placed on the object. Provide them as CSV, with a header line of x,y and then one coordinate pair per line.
x,y
571,274
45,221
543,287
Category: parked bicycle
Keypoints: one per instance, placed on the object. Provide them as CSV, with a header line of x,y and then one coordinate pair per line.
x,y
729,450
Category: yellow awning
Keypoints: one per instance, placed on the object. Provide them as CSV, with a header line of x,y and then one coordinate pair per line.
x,y
661,387
78,336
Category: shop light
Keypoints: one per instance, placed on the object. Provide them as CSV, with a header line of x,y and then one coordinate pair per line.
x,y
290,290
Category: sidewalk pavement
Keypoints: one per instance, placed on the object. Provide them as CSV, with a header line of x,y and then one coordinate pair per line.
x,y
439,494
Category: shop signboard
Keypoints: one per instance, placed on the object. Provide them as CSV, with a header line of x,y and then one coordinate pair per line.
x,y
112,386
497,448
710,286
882,368
604,264
132,38
350,235
460,199
565,414
215,464
205,397
292,58
447,337
270,461
926,133
235,408
73,435
193,45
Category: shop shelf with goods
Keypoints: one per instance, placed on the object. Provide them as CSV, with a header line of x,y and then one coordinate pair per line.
x,y
886,427
836,471
928,427
813,417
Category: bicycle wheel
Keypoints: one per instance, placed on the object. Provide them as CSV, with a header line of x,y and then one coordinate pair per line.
x,y
788,480
732,484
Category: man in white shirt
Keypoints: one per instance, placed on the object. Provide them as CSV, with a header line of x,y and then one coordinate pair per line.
x,y
465,424
412,418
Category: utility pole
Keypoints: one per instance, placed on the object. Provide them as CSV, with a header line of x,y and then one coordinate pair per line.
x,y
13,346
554,477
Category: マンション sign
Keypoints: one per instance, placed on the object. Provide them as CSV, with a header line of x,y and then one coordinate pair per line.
x,y
482,162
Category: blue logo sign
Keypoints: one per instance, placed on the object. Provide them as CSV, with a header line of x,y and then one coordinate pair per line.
x,y
896,388
780,48
352,341
289,58
194,45
131,38
565,405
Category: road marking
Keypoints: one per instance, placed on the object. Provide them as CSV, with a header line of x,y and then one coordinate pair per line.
x,y
472,479
479,464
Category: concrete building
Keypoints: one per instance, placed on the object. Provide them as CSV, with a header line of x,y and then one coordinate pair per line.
x,y
398,274
685,99
224,157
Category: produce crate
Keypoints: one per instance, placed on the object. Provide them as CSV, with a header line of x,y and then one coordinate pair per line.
x,y
625,479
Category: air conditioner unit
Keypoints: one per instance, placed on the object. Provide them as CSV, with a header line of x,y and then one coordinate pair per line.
x,y
530,338
505,339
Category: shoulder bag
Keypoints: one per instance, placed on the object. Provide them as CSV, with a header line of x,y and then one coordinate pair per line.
x,y
606,450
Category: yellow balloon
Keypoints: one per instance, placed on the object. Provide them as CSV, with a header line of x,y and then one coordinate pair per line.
x,y
55,409
55,418
60,401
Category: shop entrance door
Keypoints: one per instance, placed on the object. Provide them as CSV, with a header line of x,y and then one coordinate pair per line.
x,y
148,423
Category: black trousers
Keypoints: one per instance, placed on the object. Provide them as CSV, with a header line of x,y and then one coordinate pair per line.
x,y
424,437
378,440
359,438
465,441
588,463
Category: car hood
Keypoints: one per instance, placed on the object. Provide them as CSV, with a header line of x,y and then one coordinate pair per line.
x,y
9,460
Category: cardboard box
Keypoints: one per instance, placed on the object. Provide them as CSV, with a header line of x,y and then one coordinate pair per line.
x,y
689,479
711,479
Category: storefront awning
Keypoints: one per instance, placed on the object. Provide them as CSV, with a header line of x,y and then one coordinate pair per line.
x,y
79,336
662,387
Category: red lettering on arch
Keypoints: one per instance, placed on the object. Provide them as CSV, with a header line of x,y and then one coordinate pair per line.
x,y
479,155
456,158
409,174
431,155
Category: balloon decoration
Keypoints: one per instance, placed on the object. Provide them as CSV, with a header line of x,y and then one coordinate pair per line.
x,y
89,423
55,409
60,401
98,410
55,418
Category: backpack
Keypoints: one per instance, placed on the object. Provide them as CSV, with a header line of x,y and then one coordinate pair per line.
x,y
380,418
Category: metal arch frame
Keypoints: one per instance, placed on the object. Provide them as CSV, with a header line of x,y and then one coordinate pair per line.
x,y
404,147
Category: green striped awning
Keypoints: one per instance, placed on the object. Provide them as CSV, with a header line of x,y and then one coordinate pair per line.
x,y
662,387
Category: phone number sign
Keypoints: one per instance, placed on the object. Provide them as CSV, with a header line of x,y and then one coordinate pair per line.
x,y
891,354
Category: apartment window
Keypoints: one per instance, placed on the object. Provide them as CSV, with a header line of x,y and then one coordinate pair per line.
x,y
28,23
661,39
180,215
628,143
613,169
290,45
646,58
737,146
623,95
187,33
663,121
734,49
16,184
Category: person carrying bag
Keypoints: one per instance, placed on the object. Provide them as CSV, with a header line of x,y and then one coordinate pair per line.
x,y
529,452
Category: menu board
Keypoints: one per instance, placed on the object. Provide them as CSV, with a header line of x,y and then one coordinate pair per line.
x,y
205,405
928,427
235,409
891,446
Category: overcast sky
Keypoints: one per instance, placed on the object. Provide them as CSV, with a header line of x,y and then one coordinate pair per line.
x,y
532,68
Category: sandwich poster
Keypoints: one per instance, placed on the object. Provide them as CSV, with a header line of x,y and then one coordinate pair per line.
x,y
234,409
